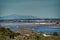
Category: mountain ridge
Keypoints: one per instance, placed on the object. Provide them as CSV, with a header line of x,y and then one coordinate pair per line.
x,y
17,17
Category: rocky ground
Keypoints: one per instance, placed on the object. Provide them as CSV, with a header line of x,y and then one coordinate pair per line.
x,y
28,34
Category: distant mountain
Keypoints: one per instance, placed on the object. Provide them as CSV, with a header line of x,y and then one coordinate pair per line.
x,y
17,17
0,17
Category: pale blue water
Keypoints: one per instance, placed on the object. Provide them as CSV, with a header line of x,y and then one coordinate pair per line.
x,y
13,29
47,28
44,28
37,28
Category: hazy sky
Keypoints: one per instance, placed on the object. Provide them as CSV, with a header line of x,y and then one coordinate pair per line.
x,y
39,8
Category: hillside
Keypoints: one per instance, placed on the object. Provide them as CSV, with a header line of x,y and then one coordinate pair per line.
x,y
14,16
7,34
27,34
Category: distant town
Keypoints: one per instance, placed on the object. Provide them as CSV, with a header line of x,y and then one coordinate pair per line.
x,y
33,21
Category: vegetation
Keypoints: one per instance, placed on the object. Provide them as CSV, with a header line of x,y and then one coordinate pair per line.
x,y
7,34
34,35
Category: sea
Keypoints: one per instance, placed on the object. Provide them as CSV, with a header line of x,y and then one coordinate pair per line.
x,y
41,28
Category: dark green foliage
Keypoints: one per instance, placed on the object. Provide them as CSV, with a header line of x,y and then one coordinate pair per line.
x,y
6,32
55,33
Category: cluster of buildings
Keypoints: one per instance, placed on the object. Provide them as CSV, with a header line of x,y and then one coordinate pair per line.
x,y
33,21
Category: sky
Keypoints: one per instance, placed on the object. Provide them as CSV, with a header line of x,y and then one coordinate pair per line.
x,y
38,8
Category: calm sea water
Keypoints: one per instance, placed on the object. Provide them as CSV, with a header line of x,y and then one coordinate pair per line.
x,y
37,28
44,28
47,28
